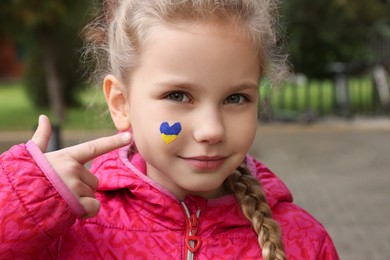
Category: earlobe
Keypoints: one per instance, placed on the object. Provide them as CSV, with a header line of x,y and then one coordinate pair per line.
x,y
116,98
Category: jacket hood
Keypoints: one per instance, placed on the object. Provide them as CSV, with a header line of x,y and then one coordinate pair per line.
x,y
116,170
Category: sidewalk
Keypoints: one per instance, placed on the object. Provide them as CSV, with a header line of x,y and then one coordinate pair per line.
x,y
338,171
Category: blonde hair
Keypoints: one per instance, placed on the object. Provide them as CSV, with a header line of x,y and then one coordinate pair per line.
x,y
254,205
116,39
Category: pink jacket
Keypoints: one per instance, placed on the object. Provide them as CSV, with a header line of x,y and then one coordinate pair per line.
x,y
138,219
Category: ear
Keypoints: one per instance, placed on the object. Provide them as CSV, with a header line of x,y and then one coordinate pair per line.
x,y
116,98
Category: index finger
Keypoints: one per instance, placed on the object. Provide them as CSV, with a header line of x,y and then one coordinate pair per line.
x,y
87,151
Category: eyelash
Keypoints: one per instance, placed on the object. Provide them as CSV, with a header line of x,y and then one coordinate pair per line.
x,y
243,99
184,95
170,96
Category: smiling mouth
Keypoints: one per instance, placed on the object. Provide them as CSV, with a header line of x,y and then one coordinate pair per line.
x,y
205,163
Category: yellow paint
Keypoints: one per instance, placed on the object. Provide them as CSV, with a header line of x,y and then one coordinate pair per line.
x,y
168,138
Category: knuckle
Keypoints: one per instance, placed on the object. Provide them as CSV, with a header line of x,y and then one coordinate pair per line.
x,y
93,150
76,186
73,168
79,186
91,206
95,183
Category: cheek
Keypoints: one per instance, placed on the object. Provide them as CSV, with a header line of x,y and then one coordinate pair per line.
x,y
170,131
157,135
242,132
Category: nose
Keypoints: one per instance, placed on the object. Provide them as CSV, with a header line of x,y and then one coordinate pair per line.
x,y
209,127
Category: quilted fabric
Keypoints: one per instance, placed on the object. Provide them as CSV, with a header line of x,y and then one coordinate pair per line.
x,y
138,218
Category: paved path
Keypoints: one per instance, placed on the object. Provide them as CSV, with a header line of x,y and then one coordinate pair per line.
x,y
338,171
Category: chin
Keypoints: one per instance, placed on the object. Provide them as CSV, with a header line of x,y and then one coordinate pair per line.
x,y
205,189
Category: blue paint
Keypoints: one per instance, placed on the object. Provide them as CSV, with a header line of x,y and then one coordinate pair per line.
x,y
175,129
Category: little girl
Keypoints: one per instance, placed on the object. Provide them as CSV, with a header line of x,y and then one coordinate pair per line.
x,y
181,85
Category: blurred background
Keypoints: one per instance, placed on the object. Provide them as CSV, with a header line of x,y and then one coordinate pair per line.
x,y
325,131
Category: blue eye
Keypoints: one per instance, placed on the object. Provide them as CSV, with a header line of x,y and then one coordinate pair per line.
x,y
236,99
178,96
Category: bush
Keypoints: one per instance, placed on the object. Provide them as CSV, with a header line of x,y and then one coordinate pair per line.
x,y
326,31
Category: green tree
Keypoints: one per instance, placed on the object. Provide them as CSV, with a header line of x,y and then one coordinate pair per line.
x,y
49,34
324,31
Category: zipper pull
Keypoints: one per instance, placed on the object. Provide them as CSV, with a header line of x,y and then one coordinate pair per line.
x,y
193,242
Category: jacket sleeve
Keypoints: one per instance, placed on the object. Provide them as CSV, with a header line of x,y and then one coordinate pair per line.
x,y
328,250
32,211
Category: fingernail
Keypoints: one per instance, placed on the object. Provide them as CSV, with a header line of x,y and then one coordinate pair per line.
x,y
41,118
126,137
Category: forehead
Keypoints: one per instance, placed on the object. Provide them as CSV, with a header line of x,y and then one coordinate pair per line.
x,y
198,50
198,55
229,30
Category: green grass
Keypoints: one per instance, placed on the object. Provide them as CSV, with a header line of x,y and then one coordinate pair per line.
x,y
18,113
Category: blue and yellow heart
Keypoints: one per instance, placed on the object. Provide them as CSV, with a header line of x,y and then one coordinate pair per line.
x,y
169,133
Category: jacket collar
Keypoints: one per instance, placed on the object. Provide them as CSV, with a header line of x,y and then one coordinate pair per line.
x,y
116,170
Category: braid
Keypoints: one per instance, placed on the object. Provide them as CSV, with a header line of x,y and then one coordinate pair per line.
x,y
253,203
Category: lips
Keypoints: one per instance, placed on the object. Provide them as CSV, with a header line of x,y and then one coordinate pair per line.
x,y
205,163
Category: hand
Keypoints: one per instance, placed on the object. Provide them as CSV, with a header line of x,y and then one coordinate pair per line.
x,y
69,163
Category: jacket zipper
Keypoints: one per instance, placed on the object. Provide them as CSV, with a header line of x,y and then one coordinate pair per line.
x,y
192,241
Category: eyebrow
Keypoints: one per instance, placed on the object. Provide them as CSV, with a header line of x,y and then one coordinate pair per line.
x,y
246,85
177,84
189,86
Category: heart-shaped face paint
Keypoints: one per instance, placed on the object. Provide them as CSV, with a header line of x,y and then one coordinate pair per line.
x,y
169,133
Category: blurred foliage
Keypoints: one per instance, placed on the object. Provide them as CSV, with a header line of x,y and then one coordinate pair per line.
x,y
320,32
68,66
31,22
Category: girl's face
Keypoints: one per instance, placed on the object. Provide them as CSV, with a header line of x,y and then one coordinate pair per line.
x,y
204,78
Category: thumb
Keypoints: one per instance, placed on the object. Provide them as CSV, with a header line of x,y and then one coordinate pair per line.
x,y
42,135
